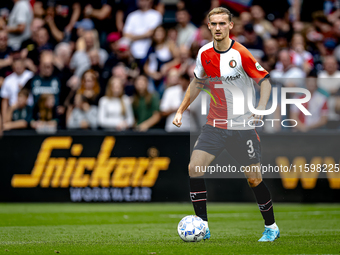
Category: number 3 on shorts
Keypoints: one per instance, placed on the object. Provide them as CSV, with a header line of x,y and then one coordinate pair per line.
x,y
251,147
251,152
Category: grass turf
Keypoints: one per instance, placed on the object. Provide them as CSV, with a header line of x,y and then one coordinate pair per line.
x,y
151,229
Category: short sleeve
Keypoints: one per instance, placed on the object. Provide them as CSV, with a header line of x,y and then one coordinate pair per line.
x,y
253,69
128,28
199,70
157,20
22,15
5,91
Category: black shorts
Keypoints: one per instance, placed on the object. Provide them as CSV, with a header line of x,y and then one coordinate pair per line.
x,y
243,145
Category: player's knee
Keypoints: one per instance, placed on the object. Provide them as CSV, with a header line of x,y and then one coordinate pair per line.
x,y
194,171
253,182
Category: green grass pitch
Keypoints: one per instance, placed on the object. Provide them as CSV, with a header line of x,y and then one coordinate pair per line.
x,y
152,229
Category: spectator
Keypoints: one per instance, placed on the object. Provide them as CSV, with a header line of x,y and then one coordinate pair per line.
x,y
13,84
246,18
262,27
172,78
113,42
19,114
197,15
282,40
203,36
103,14
300,57
172,34
145,105
81,27
282,29
45,117
269,59
185,59
161,57
6,59
29,47
125,7
61,18
89,87
43,39
317,106
62,57
80,61
286,74
186,30
115,109
237,32
272,8
39,7
139,28
329,80
119,53
122,72
19,21
46,82
170,102
253,42
83,115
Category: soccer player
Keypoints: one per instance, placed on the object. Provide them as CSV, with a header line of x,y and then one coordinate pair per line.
x,y
224,61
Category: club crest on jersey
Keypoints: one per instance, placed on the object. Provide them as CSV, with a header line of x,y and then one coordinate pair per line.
x,y
207,62
232,63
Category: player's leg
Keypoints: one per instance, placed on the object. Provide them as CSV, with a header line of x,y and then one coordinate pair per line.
x,y
264,202
198,192
207,147
246,149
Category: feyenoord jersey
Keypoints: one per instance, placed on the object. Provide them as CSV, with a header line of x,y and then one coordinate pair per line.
x,y
236,67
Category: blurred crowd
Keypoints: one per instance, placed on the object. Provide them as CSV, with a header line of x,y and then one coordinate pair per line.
x,y
126,64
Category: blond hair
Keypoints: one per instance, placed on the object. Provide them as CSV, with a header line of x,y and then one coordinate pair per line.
x,y
109,92
220,10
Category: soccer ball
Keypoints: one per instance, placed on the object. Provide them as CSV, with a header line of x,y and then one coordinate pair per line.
x,y
191,228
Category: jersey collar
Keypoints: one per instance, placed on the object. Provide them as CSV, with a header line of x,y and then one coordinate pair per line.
x,y
221,52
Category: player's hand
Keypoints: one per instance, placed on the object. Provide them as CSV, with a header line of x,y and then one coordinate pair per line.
x,y
177,120
256,117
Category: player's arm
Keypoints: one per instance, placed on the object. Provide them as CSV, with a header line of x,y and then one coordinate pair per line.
x,y
255,71
265,90
190,95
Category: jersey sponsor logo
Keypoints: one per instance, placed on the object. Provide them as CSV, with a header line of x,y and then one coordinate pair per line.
x,y
211,81
207,62
232,63
259,67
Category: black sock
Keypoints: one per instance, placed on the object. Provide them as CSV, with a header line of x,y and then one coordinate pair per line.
x,y
198,195
264,201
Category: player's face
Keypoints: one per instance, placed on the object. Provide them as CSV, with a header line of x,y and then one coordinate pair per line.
x,y
220,26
